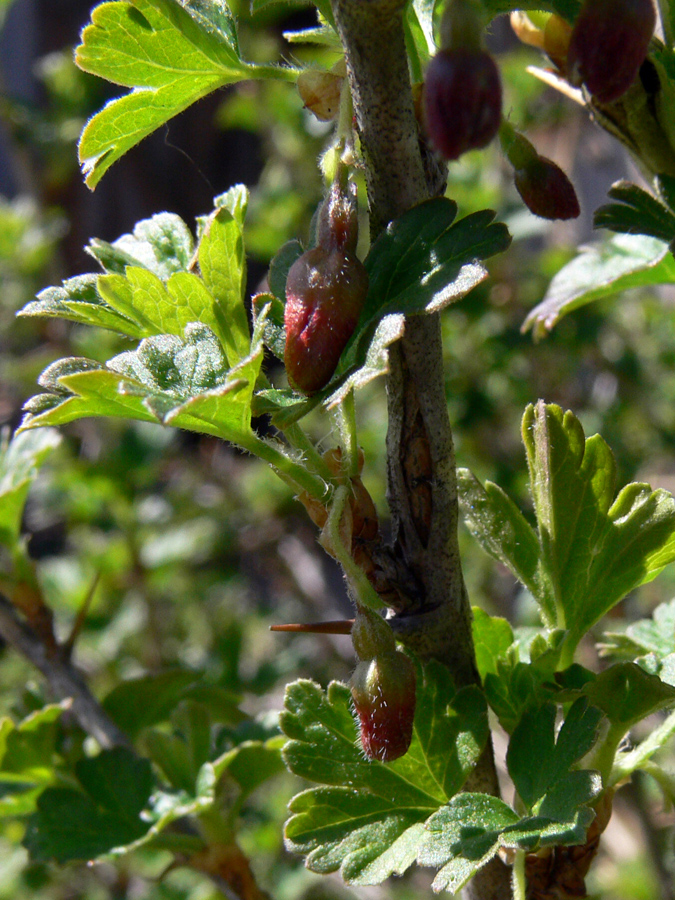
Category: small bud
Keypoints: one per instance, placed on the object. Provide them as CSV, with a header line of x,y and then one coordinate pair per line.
x,y
462,101
383,691
371,635
546,190
542,184
338,222
609,43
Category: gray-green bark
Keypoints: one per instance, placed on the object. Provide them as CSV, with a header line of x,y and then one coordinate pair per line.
x,y
435,618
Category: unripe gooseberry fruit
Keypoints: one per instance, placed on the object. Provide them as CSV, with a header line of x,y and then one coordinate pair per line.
x,y
462,101
325,293
609,43
383,691
546,190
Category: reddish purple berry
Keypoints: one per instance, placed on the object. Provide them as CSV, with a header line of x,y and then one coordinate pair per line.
x,y
463,101
609,43
325,293
546,190
383,691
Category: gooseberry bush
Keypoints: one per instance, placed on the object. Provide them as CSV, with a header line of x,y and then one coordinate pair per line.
x,y
400,759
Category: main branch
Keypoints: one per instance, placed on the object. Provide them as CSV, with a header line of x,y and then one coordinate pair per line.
x,y
435,618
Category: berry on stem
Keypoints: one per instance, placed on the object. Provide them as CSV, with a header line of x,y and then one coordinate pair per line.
x,y
541,183
326,289
462,101
383,691
608,45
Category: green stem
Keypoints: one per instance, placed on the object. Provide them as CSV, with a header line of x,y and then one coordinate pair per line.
x,y
298,439
295,474
360,588
518,880
346,418
604,755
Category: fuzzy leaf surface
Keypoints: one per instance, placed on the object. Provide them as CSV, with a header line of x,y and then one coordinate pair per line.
x,y
601,270
171,54
592,546
367,817
183,382
20,461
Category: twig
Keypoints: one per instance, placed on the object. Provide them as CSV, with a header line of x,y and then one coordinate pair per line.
x,y
63,678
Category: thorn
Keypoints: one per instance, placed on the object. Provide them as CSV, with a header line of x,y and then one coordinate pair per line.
x,y
339,626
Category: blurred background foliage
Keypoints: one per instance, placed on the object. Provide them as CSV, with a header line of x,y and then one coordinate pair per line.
x,y
188,550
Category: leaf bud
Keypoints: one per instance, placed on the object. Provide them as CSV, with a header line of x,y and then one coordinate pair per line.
x,y
383,691
608,45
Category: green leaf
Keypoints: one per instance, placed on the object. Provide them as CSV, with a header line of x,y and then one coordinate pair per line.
x,y
83,824
601,270
492,637
635,212
538,759
138,703
468,832
162,244
595,548
171,54
20,460
78,300
494,519
167,807
369,821
512,689
591,547
627,694
185,383
168,308
222,263
655,635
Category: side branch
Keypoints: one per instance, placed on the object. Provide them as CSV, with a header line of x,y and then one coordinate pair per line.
x,y
64,680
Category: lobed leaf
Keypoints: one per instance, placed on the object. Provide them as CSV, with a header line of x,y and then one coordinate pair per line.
x,y
367,818
591,548
171,54
602,270
102,814
636,212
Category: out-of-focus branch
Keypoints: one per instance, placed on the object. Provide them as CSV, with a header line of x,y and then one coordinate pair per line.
x,y
63,678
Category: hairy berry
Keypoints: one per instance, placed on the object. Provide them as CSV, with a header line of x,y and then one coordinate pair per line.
x,y
462,101
546,190
325,293
609,43
383,691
